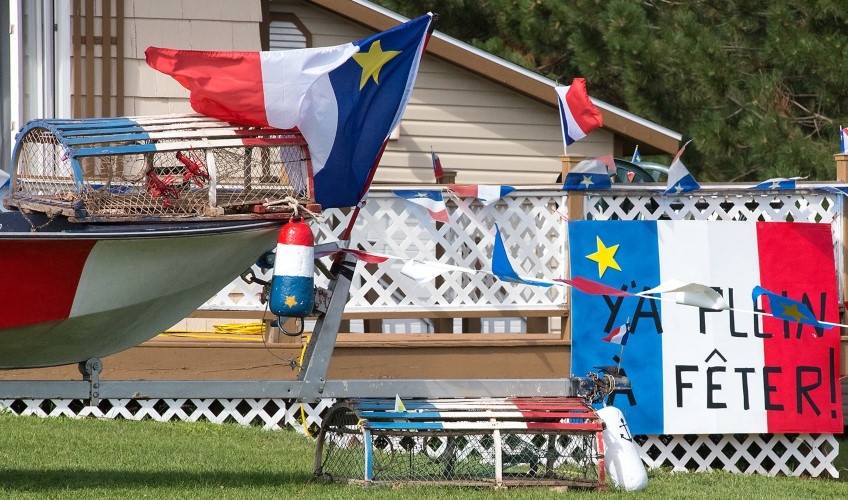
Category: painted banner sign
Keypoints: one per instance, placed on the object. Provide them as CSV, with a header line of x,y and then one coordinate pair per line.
x,y
701,371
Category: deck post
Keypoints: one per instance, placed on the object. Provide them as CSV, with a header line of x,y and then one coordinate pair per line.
x,y
574,211
842,176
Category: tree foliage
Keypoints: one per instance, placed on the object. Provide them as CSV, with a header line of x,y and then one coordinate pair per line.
x,y
760,86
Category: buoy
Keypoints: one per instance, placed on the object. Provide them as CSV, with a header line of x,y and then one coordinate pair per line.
x,y
621,455
292,285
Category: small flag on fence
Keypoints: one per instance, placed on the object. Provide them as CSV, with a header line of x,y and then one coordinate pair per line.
x,y
502,267
486,194
679,178
431,200
437,165
637,157
590,174
618,335
778,183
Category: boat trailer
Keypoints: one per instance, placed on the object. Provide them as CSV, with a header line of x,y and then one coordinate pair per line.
x,y
495,432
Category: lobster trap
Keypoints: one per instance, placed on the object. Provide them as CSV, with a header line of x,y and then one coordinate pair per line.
x,y
493,442
159,167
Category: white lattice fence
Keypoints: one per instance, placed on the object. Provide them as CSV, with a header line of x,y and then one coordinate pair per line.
x,y
724,202
769,454
270,414
385,225
535,238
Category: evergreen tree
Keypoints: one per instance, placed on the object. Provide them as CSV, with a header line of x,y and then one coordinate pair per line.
x,y
758,85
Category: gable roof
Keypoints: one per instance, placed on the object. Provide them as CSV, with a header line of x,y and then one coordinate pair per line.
x,y
651,137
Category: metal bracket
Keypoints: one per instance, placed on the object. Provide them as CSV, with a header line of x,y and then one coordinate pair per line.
x,y
90,371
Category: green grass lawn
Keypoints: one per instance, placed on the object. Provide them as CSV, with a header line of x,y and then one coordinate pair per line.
x,y
89,458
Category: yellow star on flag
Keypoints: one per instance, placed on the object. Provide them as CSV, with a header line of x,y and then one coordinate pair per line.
x,y
291,300
372,61
605,257
792,311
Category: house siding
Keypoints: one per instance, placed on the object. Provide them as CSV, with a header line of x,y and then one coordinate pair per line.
x,y
186,24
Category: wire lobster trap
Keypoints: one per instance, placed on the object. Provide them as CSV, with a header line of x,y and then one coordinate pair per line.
x,y
481,442
159,167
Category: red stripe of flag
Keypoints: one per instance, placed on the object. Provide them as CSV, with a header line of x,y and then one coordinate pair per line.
x,y
213,78
800,396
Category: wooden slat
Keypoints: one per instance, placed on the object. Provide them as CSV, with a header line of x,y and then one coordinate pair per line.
x,y
106,61
98,40
481,414
77,53
89,58
139,134
177,146
531,414
485,426
119,59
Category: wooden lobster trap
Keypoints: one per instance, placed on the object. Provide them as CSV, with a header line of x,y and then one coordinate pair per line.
x,y
495,442
159,167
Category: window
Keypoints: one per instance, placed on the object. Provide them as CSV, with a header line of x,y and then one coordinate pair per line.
x,y
283,31
34,70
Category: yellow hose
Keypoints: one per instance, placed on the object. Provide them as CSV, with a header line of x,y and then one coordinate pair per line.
x,y
242,332
239,332
302,410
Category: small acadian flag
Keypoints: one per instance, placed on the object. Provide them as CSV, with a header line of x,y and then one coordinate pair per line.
x,y
788,309
637,157
590,174
679,178
399,406
437,165
431,200
618,335
485,193
778,183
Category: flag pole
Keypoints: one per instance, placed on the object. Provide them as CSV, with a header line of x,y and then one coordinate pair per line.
x,y
626,336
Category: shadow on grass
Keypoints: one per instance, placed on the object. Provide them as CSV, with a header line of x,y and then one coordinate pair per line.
x,y
64,479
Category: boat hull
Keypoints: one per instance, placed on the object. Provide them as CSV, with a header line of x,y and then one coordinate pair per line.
x,y
85,291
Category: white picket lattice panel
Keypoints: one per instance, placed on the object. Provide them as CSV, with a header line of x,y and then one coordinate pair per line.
x,y
535,239
767,454
270,414
720,203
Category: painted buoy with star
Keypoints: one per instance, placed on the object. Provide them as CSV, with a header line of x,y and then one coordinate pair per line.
x,y
293,281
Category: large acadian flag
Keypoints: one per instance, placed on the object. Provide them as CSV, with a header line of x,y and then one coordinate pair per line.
x,y
702,371
345,99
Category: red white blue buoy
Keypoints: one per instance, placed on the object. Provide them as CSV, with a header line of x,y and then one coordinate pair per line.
x,y
293,282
